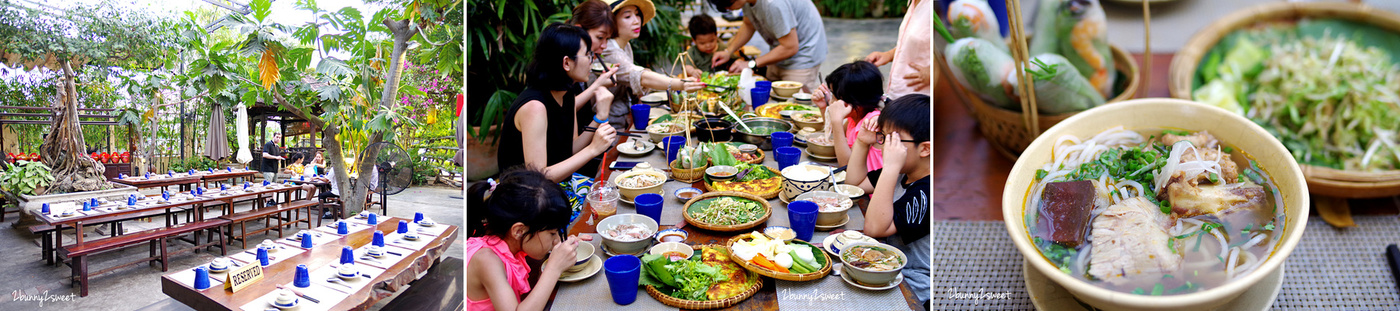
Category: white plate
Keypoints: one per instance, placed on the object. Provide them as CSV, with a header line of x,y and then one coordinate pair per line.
x,y
830,241
899,278
817,157
844,219
591,268
628,149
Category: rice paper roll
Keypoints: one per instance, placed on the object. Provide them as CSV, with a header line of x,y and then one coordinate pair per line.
x,y
1046,36
1082,27
975,19
1059,88
982,68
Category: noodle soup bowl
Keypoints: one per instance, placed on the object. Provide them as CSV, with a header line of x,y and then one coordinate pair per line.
x,y
626,246
630,192
868,276
829,217
1146,115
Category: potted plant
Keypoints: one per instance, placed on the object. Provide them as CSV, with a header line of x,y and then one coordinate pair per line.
x,y
27,178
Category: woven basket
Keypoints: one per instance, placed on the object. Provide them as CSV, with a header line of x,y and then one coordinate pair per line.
x,y
796,277
767,211
687,175
710,304
1321,180
1007,129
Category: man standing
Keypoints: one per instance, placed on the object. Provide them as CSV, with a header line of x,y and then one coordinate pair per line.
x,y
271,154
794,30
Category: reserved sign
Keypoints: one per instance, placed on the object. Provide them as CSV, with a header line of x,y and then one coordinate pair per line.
x,y
243,276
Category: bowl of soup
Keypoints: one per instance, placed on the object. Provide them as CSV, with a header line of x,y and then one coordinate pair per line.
x,y
636,182
627,233
674,251
1124,204
872,264
759,129
786,88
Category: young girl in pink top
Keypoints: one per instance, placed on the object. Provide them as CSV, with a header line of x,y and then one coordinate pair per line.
x,y
852,96
519,216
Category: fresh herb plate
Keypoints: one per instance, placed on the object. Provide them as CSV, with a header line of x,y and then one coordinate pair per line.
x,y
702,202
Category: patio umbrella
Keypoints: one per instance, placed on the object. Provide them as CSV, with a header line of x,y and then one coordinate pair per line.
x,y
244,156
217,145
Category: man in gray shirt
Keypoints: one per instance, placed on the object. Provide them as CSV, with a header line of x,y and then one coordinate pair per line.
x,y
793,28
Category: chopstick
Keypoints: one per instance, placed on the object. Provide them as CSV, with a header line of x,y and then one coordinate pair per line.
x,y
592,129
605,67
299,293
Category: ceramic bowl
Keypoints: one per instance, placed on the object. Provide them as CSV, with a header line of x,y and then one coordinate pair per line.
x,y
721,172
685,194
629,193
823,150
873,277
853,192
672,235
1159,113
832,217
626,247
664,247
805,119
657,131
803,178
780,233
786,88
582,254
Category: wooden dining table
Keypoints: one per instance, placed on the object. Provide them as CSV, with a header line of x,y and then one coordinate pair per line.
x,y
161,181
767,297
969,174
393,279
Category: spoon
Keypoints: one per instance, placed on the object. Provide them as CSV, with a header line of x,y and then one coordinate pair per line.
x,y
737,119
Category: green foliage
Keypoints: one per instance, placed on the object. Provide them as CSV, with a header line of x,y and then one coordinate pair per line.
x,y
26,176
193,163
862,8
103,34
501,41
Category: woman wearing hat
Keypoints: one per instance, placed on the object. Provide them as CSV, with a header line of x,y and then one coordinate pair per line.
x,y
633,81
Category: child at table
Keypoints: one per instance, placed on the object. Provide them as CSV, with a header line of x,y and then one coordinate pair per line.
x,y
900,208
520,215
851,98
706,37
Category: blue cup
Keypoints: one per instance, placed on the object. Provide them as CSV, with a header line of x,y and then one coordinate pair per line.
x,y
373,219
211,170
148,175
94,202
623,272
262,257
170,173
191,171
378,238
265,183
765,84
417,217
44,208
759,96
166,194
673,146
131,200
342,228
640,115
347,255
87,206
230,169
303,278
403,226
786,156
201,278
781,139
223,187
802,217
303,178
306,240
649,204
121,176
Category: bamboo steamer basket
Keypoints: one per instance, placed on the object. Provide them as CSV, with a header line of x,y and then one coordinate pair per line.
x,y
709,304
1008,131
1321,180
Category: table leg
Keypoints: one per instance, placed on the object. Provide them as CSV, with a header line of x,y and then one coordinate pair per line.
x,y
78,228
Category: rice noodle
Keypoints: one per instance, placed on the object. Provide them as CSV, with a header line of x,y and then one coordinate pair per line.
x,y
1081,263
1245,269
1259,237
1230,262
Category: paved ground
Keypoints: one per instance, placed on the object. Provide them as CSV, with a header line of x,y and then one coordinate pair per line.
x,y
138,287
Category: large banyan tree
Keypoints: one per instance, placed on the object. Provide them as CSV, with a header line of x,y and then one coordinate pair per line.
x,y
104,35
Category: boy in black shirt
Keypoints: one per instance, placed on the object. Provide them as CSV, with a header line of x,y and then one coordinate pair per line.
x,y
900,207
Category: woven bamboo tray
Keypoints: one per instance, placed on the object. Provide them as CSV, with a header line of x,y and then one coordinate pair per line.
x,y
1321,180
710,304
1007,130
767,211
796,277
687,175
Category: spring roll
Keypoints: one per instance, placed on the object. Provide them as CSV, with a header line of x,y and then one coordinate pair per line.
x,y
978,65
1083,29
974,19
1059,88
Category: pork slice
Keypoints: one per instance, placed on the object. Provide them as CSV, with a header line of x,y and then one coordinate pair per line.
x,y
1193,200
1130,240
1200,139
1064,211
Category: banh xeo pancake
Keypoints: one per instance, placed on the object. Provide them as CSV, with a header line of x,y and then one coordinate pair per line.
x,y
738,281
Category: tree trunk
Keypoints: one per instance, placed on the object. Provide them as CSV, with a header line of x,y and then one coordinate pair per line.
x,y
355,197
63,149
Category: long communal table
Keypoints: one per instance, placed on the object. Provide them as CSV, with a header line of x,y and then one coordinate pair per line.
x,y
388,274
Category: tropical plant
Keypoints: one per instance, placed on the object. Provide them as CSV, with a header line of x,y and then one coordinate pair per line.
x,y
27,178
862,8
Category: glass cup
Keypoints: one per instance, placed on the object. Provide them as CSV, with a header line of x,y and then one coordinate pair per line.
x,y
603,199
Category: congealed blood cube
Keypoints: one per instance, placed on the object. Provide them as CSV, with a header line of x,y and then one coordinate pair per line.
x,y
1064,212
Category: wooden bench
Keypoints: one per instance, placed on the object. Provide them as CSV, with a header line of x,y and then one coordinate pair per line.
x,y
47,234
241,219
435,291
77,255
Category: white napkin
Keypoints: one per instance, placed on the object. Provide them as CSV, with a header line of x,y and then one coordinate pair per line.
x,y
386,261
251,255
396,239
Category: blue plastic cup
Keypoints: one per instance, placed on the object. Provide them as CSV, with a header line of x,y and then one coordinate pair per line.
x,y
44,208
802,217
303,278
347,255
223,187
650,204
148,175
781,139
262,257
786,156
342,228
94,202
201,278
306,240
87,206
265,183
373,219
759,96
673,147
623,272
640,115
403,226
378,238
417,217
765,84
